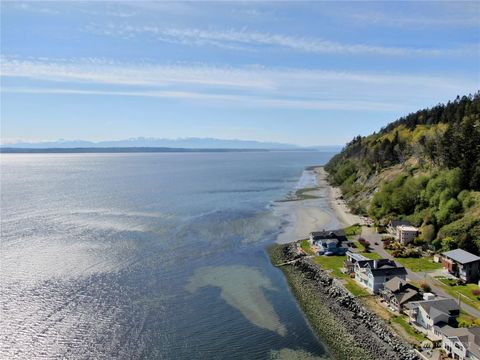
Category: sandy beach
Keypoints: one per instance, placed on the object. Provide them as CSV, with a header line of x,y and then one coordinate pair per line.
x,y
327,211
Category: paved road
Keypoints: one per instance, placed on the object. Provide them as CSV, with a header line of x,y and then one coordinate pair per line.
x,y
372,237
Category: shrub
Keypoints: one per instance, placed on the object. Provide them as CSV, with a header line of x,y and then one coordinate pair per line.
x,y
425,287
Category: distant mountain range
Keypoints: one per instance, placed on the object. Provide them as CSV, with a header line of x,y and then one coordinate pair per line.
x,y
183,143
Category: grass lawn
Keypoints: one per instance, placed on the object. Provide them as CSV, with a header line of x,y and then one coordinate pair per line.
x,y
467,320
371,255
419,264
368,255
335,263
402,322
306,247
464,290
355,229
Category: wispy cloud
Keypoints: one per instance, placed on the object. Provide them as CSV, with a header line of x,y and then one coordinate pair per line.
x,y
242,39
35,8
245,86
268,102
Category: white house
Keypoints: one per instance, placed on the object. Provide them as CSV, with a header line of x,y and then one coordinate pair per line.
x,y
429,313
460,343
406,234
373,274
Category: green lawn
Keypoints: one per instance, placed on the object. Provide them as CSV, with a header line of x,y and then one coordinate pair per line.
x,y
419,264
465,290
371,255
306,247
467,320
355,229
335,263
403,322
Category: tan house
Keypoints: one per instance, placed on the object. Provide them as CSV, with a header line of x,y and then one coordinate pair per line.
x,y
406,234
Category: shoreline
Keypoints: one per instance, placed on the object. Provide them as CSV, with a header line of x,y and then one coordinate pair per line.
x,y
336,317
319,207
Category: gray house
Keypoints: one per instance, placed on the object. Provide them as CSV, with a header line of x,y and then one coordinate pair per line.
x,y
462,264
397,292
373,274
460,343
428,314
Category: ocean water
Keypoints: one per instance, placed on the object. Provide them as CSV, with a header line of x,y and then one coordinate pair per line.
x,y
140,256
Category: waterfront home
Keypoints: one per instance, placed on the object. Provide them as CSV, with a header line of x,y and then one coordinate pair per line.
x,y
352,259
462,264
427,314
406,234
460,343
329,242
317,236
330,247
393,224
373,274
397,293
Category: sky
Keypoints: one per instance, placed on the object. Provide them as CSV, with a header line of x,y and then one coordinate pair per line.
x,y
305,73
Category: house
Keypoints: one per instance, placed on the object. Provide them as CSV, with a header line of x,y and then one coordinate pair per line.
x,y
427,314
329,242
316,236
330,247
373,274
406,234
460,343
462,264
352,258
397,292
393,224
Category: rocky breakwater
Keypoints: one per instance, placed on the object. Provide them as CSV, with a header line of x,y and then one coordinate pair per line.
x,y
341,321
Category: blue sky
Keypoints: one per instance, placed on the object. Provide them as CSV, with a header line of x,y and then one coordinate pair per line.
x,y
307,73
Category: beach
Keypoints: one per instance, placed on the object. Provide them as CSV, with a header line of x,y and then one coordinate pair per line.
x,y
304,215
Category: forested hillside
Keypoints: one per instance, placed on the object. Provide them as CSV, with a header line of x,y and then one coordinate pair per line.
x,y
425,168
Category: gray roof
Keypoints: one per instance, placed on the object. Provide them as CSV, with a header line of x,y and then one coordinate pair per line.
x,y
461,256
406,296
382,267
470,337
355,256
436,306
395,284
395,223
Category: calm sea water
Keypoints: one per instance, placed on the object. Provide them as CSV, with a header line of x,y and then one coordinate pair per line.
x,y
161,256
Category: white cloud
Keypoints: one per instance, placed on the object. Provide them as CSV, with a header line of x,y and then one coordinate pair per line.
x,y
245,86
248,40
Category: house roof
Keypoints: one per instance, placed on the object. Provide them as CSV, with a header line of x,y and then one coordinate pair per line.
x,y
437,307
395,223
382,267
461,256
355,256
469,337
395,284
407,228
406,296
329,234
